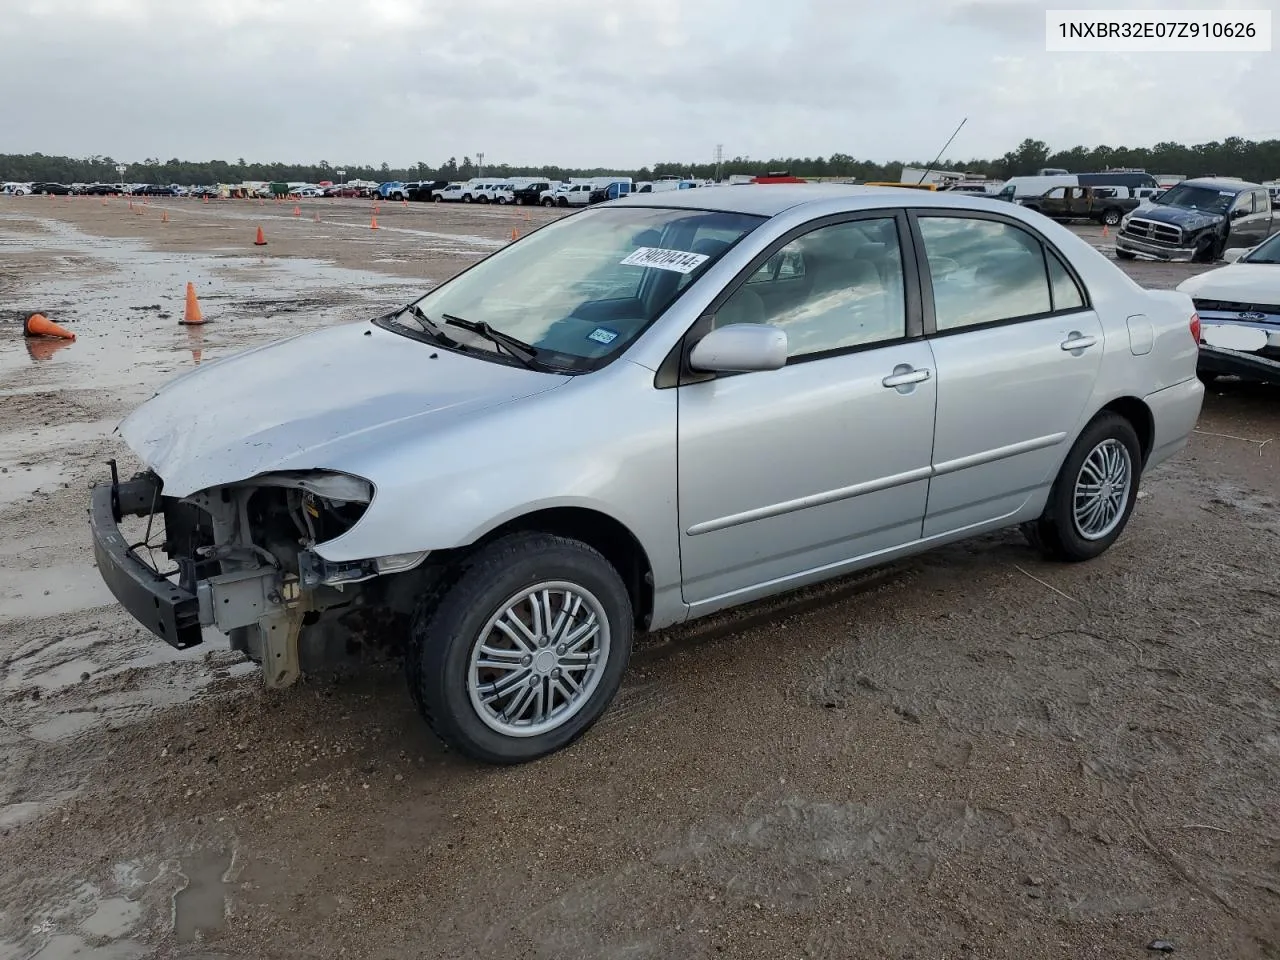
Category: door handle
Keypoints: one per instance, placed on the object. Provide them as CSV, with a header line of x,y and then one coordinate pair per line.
x,y
1077,341
905,378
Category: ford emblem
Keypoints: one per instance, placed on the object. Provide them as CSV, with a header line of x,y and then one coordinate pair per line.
x,y
1254,317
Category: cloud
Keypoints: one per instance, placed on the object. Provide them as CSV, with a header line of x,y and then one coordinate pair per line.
x,y
591,82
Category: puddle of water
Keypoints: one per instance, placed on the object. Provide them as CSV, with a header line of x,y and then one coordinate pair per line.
x,y
68,946
114,917
23,443
124,300
48,591
20,482
201,906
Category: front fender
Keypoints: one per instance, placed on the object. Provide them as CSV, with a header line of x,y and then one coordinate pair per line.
x,y
551,450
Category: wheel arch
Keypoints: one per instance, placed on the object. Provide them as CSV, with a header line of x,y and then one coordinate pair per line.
x,y
1140,418
597,529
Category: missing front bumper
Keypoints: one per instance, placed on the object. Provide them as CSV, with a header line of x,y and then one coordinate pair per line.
x,y
167,609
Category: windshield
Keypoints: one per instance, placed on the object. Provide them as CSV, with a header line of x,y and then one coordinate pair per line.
x,y
1197,198
581,289
1266,252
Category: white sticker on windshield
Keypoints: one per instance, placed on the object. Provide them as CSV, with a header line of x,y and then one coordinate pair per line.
x,y
1226,193
678,260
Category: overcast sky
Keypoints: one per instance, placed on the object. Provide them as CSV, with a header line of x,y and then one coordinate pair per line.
x,y
595,82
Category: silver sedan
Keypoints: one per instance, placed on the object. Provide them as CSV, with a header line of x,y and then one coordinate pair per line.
x,y
639,414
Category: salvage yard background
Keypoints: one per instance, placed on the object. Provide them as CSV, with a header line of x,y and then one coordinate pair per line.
x,y
969,754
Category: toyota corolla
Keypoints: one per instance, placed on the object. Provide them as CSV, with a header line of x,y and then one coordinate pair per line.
x,y
645,412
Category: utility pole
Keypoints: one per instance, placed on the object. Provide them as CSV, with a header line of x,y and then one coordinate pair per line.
x,y
719,162
479,164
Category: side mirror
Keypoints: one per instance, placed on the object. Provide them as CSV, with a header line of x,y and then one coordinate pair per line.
x,y
740,348
1237,214
1234,254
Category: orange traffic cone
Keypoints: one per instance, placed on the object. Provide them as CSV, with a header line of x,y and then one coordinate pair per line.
x,y
206,198
164,216
1105,231
38,325
130,204
260,241
297,211
515,234
192,315
373,224
316,218
405,202
104,201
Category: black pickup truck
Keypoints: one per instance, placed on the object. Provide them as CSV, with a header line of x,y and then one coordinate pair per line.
x,y
1197,220
530,192
1101,204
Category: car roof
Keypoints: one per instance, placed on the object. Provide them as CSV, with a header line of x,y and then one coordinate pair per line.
x,y
1219,183
771,199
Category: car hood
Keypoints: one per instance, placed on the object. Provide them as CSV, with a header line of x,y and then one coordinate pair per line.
x,y
303,403
1239,283
1183,217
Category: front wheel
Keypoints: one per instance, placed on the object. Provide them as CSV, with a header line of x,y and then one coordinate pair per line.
x,y
521,648
1206,251
1094,493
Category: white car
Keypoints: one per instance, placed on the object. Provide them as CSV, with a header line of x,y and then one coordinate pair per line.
x,y
15,189
1239,308
503,193
450,194
308,192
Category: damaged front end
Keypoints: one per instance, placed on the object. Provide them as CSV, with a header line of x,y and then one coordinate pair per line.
x,y
243,560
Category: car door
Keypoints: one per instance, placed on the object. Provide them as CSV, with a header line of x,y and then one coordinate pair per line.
x,y
1017,348
787,476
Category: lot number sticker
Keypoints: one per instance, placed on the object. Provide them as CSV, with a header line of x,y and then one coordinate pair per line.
x,y
678,260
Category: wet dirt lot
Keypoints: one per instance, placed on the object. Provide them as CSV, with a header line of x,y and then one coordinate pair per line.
x,y
970,754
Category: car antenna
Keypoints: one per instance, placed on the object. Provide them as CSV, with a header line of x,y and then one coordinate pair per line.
x,y
941,152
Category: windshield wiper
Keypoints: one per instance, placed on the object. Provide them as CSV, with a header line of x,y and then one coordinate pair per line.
x,y
524,352
431,326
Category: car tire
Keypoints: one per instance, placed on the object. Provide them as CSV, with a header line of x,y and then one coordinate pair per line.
x,y
1107,454
1125,254
449,680
467,198
1206,251
1111,217
548,202
501,201
437,199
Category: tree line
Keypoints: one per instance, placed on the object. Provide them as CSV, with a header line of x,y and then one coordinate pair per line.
x,y
1254,160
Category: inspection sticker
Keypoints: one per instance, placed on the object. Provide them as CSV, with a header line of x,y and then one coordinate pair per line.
x,y
601,335
680,261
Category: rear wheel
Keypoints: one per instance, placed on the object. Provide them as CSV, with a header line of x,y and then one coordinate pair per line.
x,y
521,648
1094,493
548,202
1111,217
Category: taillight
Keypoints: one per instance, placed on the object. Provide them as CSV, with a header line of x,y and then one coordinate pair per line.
x,y
1195,327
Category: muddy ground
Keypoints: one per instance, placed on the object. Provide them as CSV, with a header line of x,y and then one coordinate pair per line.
x,y
970,754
